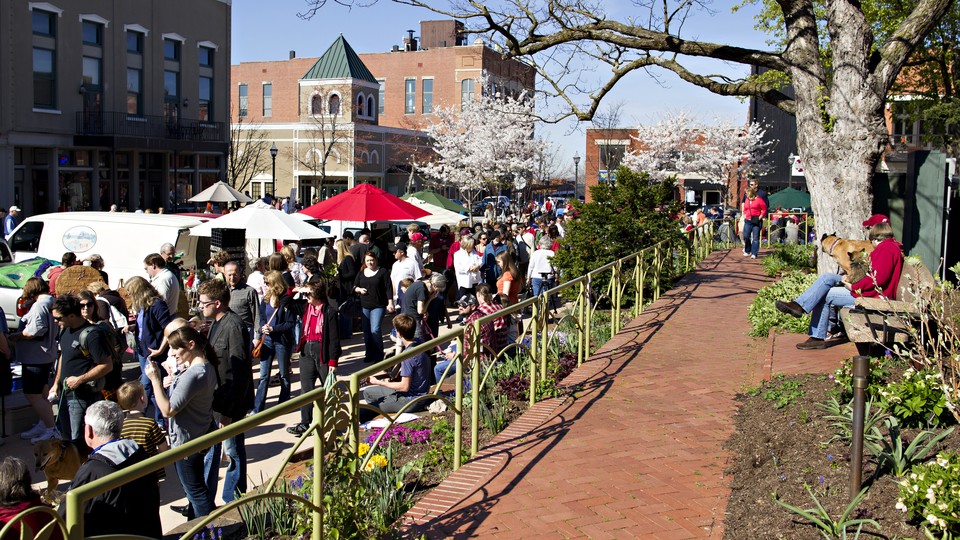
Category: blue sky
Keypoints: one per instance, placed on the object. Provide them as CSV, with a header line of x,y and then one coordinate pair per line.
x,y
269,30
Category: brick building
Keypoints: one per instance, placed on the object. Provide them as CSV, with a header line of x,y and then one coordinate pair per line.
x,y
381,102
112,102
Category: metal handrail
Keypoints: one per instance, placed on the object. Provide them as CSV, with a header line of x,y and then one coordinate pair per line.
x,y
648,263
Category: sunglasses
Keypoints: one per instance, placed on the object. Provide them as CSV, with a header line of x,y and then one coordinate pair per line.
x,y
58,319
85,304
483,237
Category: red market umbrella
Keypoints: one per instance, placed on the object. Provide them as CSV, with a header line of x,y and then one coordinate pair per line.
x,y
364,202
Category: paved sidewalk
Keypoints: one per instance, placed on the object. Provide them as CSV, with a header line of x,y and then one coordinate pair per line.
x,y
637,451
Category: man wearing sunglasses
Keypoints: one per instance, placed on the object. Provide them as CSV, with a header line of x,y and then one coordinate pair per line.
x,y
85,360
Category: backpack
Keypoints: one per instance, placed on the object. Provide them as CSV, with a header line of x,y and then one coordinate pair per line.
x,y
114,379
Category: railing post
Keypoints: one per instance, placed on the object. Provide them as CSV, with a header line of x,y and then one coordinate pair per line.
x,y
636,287
581,324
545,335
458,402
318,469
657,272
588,316
615,297
534,347
475,349
354,433
74,517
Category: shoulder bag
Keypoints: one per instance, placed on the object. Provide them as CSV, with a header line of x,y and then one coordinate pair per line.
x,y
258,347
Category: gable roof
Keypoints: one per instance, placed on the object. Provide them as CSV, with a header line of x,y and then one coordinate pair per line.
x,y
340,62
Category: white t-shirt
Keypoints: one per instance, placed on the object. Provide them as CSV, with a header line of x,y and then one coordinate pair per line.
x,y
169,288
406,268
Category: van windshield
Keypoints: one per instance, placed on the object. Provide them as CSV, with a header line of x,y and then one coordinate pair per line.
x,y
27,237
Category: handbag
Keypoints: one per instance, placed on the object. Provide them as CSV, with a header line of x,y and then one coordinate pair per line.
x,y
755,220
350,307
258,347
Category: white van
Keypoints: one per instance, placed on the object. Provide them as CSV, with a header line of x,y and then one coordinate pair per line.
x,y
122,239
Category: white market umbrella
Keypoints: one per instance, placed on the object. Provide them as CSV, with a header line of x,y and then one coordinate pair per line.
x,y
260,220
437,214
220,192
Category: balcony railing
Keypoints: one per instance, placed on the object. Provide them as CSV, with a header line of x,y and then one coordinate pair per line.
x,y
131,125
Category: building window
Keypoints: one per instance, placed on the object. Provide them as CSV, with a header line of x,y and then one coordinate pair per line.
x,y
206,56
205,112
334,109
383,85
134,42
44,23
426,99
361,106
44,78
171,50
92,67
92,33
467,91
243,100
267,100
410,96
171,84
316,105
370,106
134,92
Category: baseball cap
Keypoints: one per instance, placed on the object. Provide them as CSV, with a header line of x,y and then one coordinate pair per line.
x,y
466,231
14,208
876,219
416,237
467,300
400,247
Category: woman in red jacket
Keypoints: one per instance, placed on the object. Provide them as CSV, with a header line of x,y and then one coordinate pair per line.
x,y
754,210
830,292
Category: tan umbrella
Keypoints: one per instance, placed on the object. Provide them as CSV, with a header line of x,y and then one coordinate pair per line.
x,y
220,192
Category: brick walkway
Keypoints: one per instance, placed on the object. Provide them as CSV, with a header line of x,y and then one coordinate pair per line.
x,y
637,451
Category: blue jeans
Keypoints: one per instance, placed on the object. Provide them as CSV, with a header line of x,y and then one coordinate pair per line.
x,y
440,368
195,477
822,301
75,406
235,478
282,352
151,411
372,336
751,237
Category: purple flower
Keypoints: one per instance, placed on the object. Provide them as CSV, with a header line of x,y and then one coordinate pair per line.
x,y
829,457
820,479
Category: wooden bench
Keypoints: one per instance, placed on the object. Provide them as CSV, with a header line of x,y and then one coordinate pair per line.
x,y
879,321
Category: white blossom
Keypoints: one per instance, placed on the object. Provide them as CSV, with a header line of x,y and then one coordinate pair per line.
x,y
678,145
485,143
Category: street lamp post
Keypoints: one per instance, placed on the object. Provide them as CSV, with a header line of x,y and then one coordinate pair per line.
x,y
273,183
576,176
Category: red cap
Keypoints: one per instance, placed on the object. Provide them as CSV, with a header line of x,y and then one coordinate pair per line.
x,y
876,219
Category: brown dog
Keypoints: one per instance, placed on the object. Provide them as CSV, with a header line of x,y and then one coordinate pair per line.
x,y
59,460
847,253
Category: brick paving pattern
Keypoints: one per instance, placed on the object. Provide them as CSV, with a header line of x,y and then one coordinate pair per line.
x,y
637,450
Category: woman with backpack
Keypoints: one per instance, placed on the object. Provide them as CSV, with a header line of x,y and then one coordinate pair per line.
x,y
36,346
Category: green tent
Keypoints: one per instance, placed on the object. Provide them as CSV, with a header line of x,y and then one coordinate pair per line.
x,y
15,276
789,198
436,199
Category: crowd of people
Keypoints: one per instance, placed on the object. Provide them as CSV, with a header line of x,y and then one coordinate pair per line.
x,y
197,373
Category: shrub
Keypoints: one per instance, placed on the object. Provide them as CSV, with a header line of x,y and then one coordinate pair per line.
x,y
917,399
879,372
764,315
931,492
788,258
516,387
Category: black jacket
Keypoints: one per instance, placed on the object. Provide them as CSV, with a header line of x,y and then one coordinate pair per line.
x,y
330,349
231,341
132,508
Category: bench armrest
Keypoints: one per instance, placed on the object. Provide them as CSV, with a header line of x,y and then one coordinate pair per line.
x,y
884,305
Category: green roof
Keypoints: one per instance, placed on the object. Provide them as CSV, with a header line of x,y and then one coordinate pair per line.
x,y
340,62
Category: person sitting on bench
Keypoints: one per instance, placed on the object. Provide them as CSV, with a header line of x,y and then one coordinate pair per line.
x,y
830,292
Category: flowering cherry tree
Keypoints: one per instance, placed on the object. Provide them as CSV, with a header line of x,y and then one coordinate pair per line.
x,y
678,145
486,144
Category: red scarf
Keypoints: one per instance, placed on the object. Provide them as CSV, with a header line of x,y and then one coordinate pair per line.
x,y
313,323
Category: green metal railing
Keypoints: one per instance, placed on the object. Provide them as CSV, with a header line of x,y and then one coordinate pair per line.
x,y
631,282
